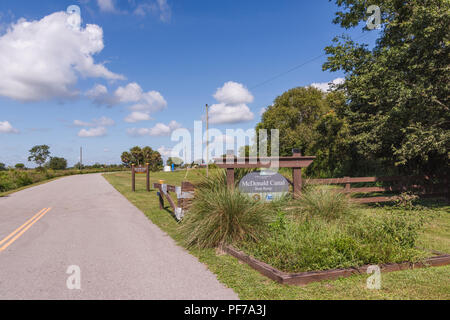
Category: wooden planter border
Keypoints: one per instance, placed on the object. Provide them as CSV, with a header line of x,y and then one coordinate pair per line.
x,y
303,278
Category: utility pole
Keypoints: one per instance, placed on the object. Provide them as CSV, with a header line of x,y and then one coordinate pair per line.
x,y
207,144
81,158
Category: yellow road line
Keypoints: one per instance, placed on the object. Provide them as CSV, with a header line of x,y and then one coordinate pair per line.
x,y
22,226
25,228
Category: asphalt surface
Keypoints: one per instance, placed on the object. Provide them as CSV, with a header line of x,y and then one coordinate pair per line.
x,y
119,252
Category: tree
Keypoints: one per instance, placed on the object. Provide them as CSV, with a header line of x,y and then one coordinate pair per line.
x,y
39,154
2,167
142,156
156,162
137,155
19,166
147,153
398,92
56,163
295,113
177,162
126,158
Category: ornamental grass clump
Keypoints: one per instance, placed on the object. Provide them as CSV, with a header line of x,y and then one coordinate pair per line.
x,y
221,215
322,201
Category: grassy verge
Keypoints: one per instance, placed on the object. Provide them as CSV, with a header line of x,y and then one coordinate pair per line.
x,y
15,180
428,283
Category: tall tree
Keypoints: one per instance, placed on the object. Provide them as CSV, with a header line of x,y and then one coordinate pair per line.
x,y
137,155
398,92
126,158
56,163
39,154
295,113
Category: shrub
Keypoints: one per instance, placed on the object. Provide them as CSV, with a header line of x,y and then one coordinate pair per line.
x,y
318,244
21,179
323,201
220,216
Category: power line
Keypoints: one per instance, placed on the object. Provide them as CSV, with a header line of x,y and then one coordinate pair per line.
x,y
286,72
297,67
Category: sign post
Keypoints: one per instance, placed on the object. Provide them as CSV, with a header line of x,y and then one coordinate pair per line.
x,y
296,162
140,170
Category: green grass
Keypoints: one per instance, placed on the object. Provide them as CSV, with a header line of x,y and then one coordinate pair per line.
x,y
15,180
427,283
7,193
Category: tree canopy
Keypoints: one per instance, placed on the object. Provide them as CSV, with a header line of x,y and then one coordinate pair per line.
x,y
39,154
397,92
141,156
56,163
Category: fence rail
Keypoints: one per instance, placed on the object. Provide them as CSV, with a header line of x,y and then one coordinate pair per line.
x,y
422,185
184,194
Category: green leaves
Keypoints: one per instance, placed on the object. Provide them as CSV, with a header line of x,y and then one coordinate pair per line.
x,y
398,92
39,154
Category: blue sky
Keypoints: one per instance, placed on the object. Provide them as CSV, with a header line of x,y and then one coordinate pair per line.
x,y
156,61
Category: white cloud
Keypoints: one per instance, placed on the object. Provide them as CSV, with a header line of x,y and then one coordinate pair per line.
x,y
222,113
160,7
232,107
43,59
106,5
233,93
142,103
132,92
6,127
165,11
99,95
165,152
160,129
327,86
137,116
94,132
102,122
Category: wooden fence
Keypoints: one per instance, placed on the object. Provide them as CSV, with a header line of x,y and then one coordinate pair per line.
x,y
421,185
184,194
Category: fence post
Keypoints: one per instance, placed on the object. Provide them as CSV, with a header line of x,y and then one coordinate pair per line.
x,y
297,175
230,178
347,184
133,178
148,177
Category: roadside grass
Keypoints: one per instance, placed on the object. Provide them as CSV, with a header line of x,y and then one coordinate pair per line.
x,y
426,283
14,180
7,193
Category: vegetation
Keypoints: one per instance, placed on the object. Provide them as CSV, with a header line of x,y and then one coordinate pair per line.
x,y
11,179
220,216
56,163
20,166
177,162
391,114
398,92
298,243
320,201
428,283
139,156
39,154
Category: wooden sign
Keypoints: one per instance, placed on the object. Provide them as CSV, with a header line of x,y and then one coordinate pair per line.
x,y
140,170
296,162
264,185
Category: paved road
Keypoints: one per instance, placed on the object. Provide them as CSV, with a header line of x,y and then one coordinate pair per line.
x,y
120,253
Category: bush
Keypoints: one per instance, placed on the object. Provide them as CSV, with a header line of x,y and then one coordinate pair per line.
x,y
220,216
323,201
21,179
318,244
